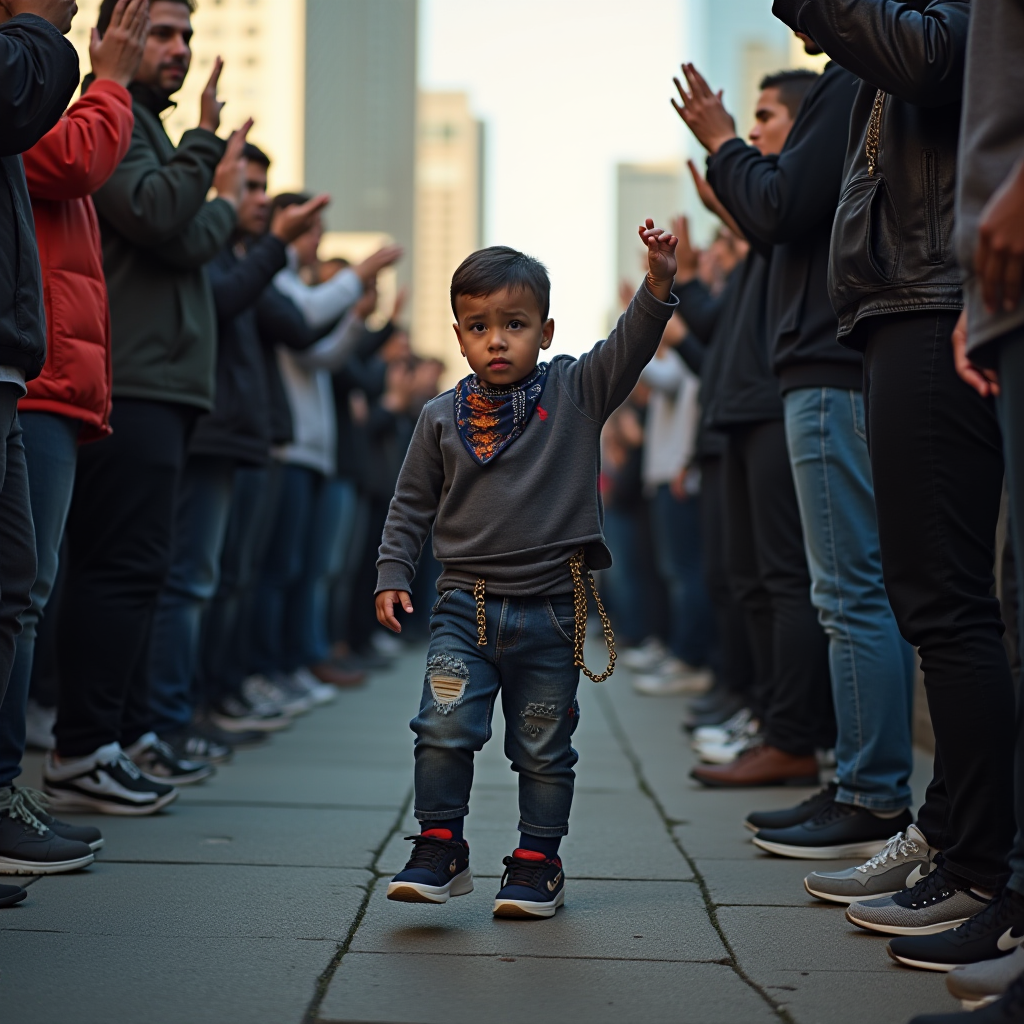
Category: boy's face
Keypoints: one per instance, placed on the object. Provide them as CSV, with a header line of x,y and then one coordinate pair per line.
x,y
502,334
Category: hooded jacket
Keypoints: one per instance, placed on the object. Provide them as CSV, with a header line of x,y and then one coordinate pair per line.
x,y
158,232
785,205
38,76
892,241
68,164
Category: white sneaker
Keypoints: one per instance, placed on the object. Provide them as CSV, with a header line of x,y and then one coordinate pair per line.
x,y
724,732
726,753
649,655
263,692
319,693
671,677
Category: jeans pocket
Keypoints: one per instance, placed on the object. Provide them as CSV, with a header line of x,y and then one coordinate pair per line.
x,y
442,599
563,621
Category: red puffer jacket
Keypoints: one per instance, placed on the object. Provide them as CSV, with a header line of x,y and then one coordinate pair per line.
x,y
63,169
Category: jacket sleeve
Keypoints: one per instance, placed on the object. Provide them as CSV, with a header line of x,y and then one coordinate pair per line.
x,y
412,510
204,236
912,51
280,321
698,307
38,77
150,203
692,351
321,304
238,284
82,150
335,348
778,199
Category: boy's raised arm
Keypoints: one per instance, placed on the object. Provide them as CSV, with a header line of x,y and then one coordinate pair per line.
x,y
601,379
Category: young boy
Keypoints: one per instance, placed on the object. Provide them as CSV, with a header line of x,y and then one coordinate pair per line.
x,y
505,469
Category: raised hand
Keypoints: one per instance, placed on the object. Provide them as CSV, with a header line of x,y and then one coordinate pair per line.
x,y
711,201
703,111
687,256
229,175
291,221
661,259
373,265
209,106
117,55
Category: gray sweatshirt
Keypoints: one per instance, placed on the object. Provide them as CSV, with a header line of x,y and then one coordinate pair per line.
x,y
517,520
991,142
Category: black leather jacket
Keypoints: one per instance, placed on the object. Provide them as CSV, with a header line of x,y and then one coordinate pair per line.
x,y
892,240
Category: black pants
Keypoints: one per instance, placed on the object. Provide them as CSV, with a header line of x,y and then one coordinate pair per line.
x,y
767,566
17,534
937,463
119,532
735,668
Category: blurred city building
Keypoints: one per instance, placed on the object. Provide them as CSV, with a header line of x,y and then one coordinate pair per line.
x,y
642,190
449,216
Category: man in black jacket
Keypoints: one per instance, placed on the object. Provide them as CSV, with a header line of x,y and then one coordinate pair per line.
x,y
765,546
38,77
935,445
786,205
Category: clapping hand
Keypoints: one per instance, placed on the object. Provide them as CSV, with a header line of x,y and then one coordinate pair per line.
x,y
116,56
661,259
209,106
703,112
229,174
291,221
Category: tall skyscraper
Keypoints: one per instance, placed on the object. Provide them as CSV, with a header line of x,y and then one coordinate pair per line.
x,y
449,216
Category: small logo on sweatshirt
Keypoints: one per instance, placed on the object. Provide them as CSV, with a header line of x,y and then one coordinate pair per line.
x,y
542,413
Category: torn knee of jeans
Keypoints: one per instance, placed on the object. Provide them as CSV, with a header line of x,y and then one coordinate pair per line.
x,y
535,717
447,677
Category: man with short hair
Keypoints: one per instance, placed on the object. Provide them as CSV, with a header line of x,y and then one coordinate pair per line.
x,y
158,232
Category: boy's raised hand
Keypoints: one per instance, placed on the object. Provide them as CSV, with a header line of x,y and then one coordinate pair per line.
x,y
386,601
661,259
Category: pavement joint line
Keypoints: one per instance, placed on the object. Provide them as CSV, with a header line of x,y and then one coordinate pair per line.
x,y
280,805
619,733
544,956
323,982
236,864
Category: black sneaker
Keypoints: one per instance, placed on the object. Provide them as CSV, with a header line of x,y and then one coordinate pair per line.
x,y
11,894
837,831
39,802
236,714
939,902
532,886
1007,1009
437,869
157,761
791,816
28,847
191,745
106,782
993,933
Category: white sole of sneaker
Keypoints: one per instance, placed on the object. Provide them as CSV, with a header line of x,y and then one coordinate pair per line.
x,y
851,851
977,1004
98,844
922,965
62,800
9,866
931,929
181,780
528,908
417,892
846,900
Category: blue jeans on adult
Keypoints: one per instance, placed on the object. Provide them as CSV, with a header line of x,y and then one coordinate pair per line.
x,y
627,590
333,518
529,659
51,454
282,568
200,522
677,536
871,665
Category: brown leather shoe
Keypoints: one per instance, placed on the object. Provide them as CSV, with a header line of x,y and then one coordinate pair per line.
x,y
760,766
328,673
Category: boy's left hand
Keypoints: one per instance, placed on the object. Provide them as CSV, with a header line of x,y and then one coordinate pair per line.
x,y
661,259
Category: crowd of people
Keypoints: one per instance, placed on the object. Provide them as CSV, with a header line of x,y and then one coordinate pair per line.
x,y
828,422
201,434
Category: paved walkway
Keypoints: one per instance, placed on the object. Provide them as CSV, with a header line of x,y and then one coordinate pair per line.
x,y
259,897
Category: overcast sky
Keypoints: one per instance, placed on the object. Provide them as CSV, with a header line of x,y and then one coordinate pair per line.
x,y
568,88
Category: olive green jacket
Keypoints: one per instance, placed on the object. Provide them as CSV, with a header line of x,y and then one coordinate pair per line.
x,y
158,232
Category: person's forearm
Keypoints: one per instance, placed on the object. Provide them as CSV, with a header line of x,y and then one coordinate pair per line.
x,y
322,304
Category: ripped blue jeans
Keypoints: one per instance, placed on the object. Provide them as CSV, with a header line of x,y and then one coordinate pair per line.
x,y
529,659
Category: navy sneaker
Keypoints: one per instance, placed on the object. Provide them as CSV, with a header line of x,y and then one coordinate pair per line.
x,y
993,933
437,869
790,816
532,886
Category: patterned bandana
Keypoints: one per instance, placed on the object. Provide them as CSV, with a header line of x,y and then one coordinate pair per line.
x,y
490,419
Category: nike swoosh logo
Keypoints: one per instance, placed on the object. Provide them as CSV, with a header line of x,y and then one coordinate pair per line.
x,y
914,877
553,884
1008,940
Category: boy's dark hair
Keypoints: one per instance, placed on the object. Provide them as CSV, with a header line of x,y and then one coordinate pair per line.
x,y
793,86
489,270
255,155
107,11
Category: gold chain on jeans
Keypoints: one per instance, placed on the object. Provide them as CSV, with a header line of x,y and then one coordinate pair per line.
x,y
874,134
579,599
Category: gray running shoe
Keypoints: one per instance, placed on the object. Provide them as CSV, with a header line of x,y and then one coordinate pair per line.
x,y
937,903
904,861
977,985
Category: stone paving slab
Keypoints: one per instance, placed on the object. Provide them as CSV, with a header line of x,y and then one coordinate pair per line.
x,y
386,989
768,881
